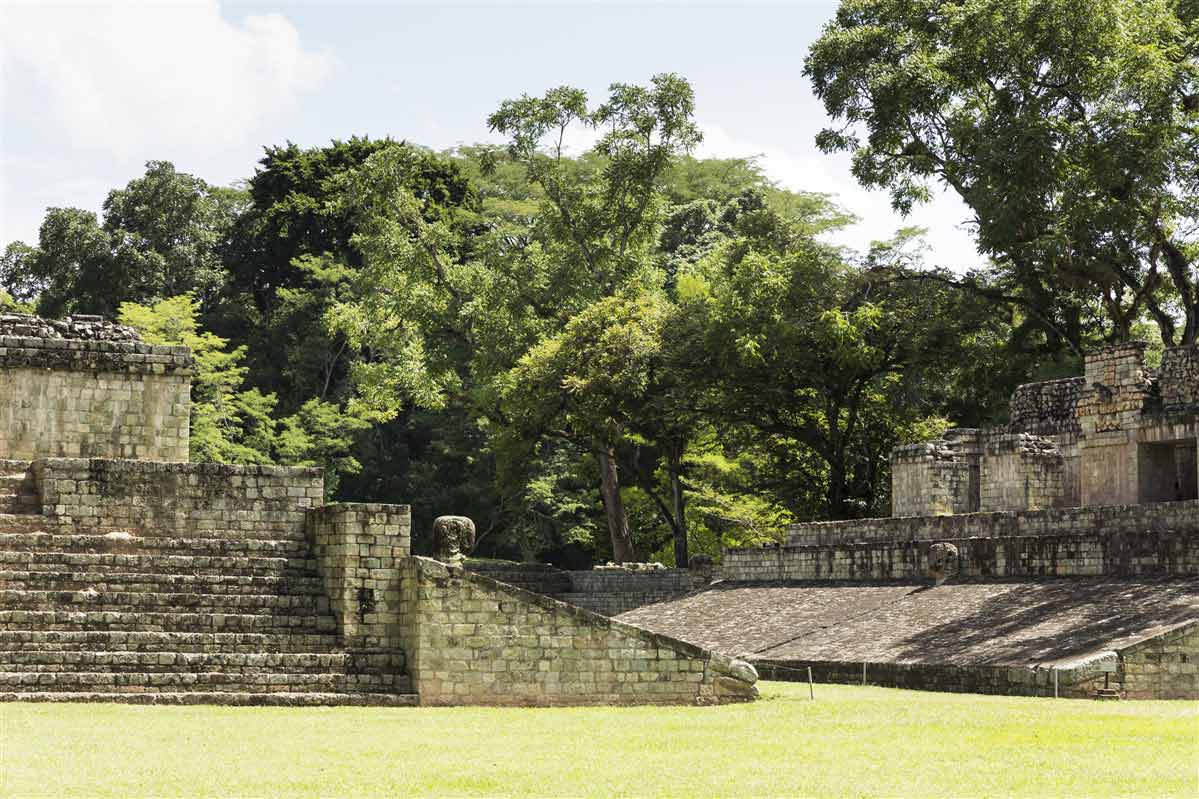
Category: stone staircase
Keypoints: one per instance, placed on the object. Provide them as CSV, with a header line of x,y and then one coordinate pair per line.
x,y
149,618
18,493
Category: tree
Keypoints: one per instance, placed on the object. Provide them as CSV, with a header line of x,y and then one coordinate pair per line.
x,y
234,424
448,301
295,209
18,272
228,424
820,364
161,237
71,269
1070,130
603,222
168,229
594,385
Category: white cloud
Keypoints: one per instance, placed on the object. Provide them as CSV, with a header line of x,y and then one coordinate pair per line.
x,y
950,245
125,79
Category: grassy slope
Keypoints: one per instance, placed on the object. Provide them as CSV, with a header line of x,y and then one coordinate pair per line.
x,y
850,742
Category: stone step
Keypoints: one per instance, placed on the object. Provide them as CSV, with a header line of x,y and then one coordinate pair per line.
x,y
127,543
159,583
175,681
222,698
121,661
151,621
196,565
12,523
149,601
113,640
131,660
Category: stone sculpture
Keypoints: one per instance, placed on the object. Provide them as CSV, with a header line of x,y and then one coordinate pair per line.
x,y
453,538
942,561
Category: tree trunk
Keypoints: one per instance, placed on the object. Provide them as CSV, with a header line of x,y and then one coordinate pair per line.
x,y
618,521
679,507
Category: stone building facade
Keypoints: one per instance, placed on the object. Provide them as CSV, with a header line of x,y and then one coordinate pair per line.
x,y
83,388
1122,434
128,574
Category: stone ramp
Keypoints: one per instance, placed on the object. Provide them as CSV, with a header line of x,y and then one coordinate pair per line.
x,y
474,640
158,617
912,634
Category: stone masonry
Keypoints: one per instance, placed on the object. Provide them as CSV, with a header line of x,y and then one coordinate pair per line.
x,y
606,591
100,393
1120,435
129,575
474,640
1057,555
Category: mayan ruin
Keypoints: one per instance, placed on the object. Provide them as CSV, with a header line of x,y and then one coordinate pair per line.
x,y
129,575
1056,555
576,400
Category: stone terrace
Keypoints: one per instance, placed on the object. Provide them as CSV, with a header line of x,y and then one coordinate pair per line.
x,y
1000,636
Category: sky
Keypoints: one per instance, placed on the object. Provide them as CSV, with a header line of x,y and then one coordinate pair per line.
x,y
90,91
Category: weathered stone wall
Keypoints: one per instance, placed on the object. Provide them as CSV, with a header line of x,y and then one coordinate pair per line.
x,y
1021,472
77,398
1046,408
1075,682
1109,412
1067,446
607,591
1125,519
1151,553
201,500
1079,441
929,480
1178,378
938,477
540,578
1164,667
473,641
358,548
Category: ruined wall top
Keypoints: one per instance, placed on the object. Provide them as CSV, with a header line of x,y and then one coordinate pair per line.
x,y
1046,408
83,387
1178,378
85,344
79,327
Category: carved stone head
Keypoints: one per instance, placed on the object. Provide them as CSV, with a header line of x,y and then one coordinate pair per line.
x,y
942,562
453,538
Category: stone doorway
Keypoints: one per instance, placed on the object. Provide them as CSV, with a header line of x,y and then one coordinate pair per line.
x,y
1169,471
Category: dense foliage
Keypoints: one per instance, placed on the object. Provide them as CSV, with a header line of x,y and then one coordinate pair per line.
x,y
1071,130
631,353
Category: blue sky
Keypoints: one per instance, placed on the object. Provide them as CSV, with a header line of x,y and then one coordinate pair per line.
x,y
90,91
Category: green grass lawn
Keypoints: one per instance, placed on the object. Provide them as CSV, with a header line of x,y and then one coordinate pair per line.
x,y
850,742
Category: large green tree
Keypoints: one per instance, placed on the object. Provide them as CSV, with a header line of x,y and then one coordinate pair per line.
x,y
161,237
1071,130
449,302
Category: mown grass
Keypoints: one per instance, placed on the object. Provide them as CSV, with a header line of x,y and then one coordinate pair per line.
x,y
850,742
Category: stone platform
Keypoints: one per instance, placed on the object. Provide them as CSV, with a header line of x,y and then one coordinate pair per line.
x,y
987,636
198,612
